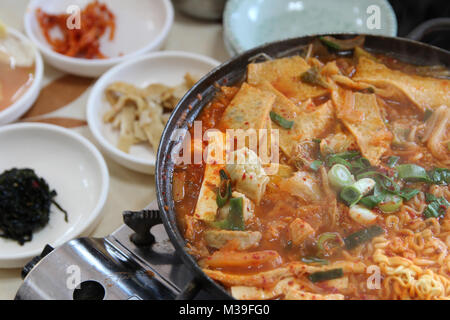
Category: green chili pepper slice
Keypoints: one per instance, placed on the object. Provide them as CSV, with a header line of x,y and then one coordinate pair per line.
x,y
282,122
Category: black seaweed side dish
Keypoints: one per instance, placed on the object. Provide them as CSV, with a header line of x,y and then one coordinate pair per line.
x,y
25,201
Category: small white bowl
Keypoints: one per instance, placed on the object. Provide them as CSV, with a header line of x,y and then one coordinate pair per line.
x,y
72,166
168,67
24,103
141,27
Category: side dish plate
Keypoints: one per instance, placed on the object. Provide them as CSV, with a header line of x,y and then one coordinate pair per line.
x,y
72,166
164,67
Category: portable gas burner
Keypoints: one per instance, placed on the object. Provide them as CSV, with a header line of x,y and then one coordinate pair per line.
x,y
130,264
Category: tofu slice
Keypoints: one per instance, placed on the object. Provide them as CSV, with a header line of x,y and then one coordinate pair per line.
x,y
248,205
219,238
206,208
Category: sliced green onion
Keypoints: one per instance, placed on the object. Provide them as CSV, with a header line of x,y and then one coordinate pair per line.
x,y
360,164
329,43
223,175
392,161
390,204
337,160
224,191
412,172
353,193
339,176
314,260
436,208
348,155
432,210
430,197
315,165
382,180
370,202
235,219
282,122
427,114
326,275
362,236
343,44
365,185
439,176
313,76
408,194
350,195
236,216
343,158
328,240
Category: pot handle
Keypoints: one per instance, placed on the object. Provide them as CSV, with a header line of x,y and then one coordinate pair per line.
x,y
419,32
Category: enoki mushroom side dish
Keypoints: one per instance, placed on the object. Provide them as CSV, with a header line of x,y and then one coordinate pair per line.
x,y
359,205
139,114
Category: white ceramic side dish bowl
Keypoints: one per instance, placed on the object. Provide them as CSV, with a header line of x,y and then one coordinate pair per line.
x,y
168,67
24,103
141,27
250,23
72,166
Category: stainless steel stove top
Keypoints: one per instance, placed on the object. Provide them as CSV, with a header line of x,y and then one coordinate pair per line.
x,y
111,268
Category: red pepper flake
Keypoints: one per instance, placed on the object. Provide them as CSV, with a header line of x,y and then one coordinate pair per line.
x,y
35,184
166,208
190,107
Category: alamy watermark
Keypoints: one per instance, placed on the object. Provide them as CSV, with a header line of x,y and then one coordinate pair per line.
x,y
374,19
73,280
214,147
73,21
373,11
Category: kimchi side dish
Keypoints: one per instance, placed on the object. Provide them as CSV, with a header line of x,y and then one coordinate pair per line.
x,y
358,207
79,41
